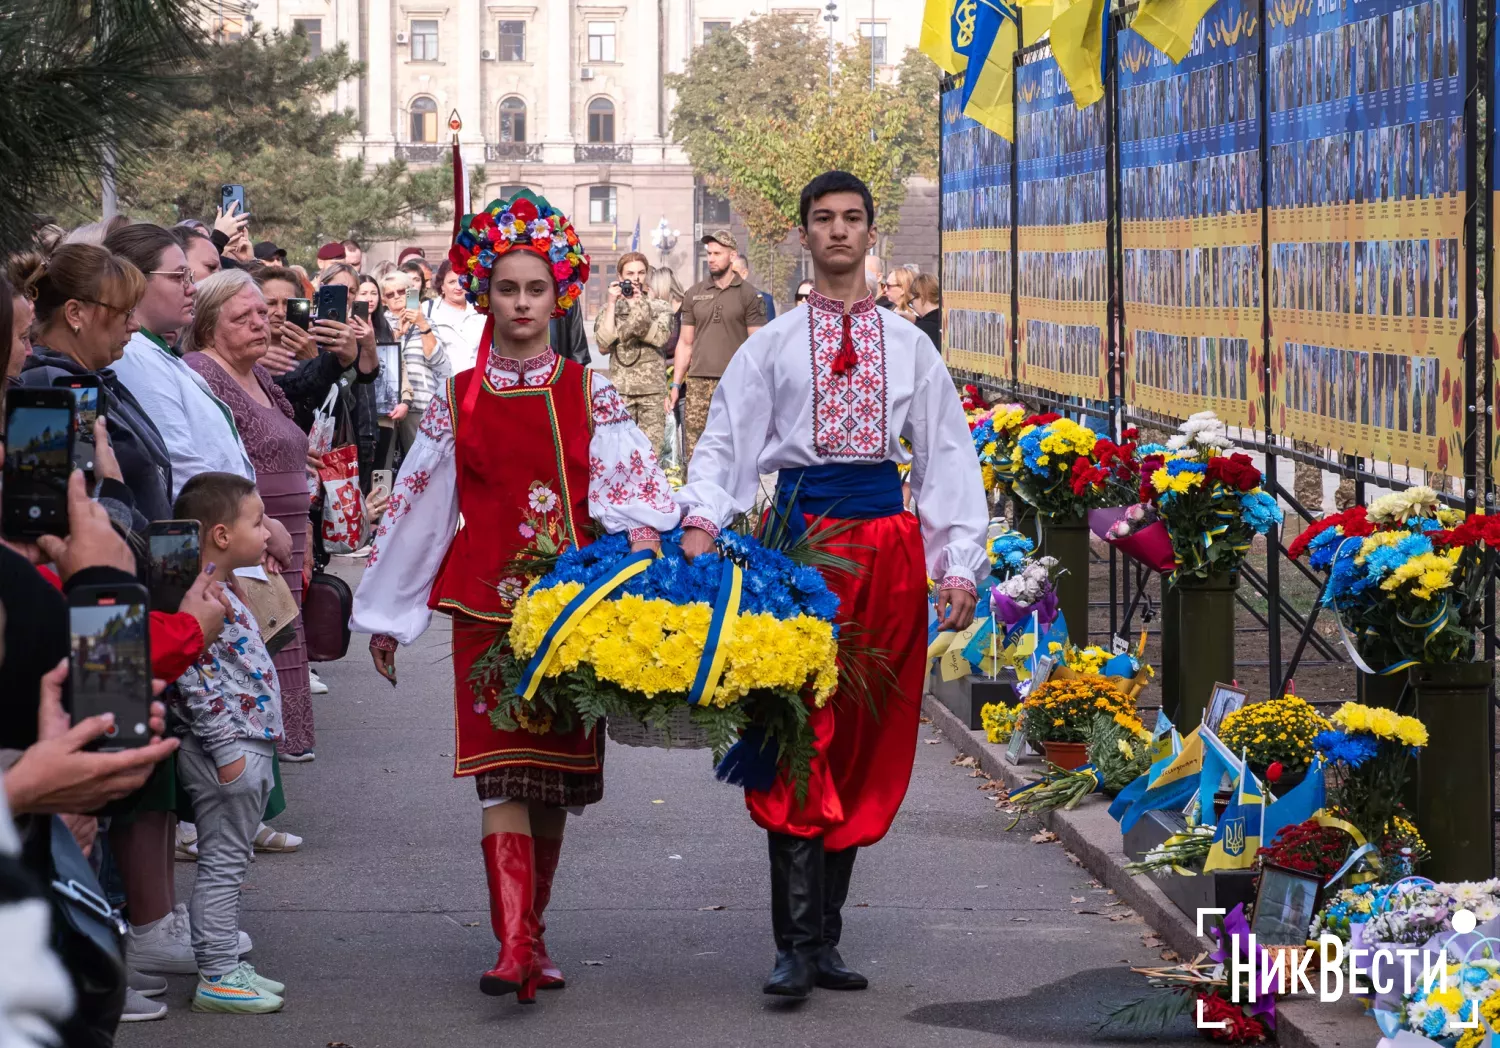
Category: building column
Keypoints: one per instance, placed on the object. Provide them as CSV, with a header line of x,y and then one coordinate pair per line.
x,y
560,73
381,48
471,98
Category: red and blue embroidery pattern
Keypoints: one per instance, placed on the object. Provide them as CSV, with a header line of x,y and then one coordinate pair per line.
x,y
849,407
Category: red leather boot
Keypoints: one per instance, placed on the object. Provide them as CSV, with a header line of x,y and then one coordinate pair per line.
x,y
510,866
548,851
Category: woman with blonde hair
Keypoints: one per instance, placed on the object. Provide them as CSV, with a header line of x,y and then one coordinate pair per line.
x,y
230,333
926,303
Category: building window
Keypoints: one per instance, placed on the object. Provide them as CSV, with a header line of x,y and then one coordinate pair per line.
x,y
509,192
710,28
715,210
601,120
513,43
601,205
601,41
424,41
875,33
424,120
312,28
513,120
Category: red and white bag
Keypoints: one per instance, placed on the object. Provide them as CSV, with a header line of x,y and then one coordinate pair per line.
x,y
343,504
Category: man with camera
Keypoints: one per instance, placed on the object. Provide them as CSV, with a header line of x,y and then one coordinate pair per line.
x,y
631,329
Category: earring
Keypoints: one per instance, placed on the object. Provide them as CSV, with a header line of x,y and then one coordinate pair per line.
x,y
75,329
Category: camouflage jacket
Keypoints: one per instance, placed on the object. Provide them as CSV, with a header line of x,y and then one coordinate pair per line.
x,y
642,327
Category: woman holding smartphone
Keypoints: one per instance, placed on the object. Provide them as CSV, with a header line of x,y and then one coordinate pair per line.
x,y
424,365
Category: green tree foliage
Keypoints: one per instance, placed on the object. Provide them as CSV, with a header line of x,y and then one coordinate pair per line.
x,y
253,117
75,77
759,116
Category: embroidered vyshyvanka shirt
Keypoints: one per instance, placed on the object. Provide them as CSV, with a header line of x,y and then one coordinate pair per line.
x,y
787,400
627,492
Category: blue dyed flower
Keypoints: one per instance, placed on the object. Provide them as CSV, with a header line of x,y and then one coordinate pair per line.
x,y
1344,747
1259,511
1176,467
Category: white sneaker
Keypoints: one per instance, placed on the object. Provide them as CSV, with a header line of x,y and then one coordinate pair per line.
x,y
183,930
161,949
318,687
140,1009
187,842
145,985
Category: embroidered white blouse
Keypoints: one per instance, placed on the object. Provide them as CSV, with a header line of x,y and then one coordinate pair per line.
x,y
627,492
781,405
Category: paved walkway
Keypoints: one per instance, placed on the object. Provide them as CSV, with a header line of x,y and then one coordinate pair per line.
x,y
379,927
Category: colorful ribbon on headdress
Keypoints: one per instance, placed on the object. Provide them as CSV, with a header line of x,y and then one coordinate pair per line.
x,y
573,613
720,629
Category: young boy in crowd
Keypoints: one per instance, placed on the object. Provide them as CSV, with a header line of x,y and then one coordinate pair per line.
x,y
231,701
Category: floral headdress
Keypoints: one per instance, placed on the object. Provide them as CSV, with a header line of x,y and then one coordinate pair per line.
x,y
525,222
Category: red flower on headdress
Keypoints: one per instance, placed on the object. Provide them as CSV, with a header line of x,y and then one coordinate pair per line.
x,y
483,220
524,209
561,271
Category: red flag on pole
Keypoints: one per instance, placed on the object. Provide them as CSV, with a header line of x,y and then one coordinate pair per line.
x,y
460,176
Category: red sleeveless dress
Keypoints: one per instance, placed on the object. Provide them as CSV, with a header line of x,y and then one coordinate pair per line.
x,y
523,465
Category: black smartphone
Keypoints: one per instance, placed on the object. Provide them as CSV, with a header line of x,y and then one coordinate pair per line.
x,y
110,667
173,561
89,397
362,310
234,194
333,303
299,312
38,459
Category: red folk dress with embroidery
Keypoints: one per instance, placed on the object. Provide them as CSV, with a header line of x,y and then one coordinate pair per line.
x,y
823,384
539,444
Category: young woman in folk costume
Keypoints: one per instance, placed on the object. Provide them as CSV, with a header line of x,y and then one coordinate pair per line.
x,y
525,447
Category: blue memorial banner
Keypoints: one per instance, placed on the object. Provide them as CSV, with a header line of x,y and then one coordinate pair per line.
x,y
1190,212
1367,198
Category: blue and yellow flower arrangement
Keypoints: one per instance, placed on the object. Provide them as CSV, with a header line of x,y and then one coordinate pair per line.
x,y
994,430
743,637
1065,469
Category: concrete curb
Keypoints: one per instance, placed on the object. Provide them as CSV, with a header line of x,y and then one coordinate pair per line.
x,y
1089,833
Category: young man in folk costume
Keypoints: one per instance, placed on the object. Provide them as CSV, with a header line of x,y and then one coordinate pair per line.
x,y
525,447
823,395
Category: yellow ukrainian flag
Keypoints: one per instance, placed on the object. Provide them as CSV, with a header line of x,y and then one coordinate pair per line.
x,y
1169,25
1036,19
1237,836
1078,46
947,27
991,101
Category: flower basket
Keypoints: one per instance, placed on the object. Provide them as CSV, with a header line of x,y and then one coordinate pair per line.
x,y
734,643
675,731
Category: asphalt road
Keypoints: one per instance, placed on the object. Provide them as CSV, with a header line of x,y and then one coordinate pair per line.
x,y
379,926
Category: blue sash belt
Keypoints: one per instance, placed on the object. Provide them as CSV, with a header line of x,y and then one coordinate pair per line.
x,y
839,492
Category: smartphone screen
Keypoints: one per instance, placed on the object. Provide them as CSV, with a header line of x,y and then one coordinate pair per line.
x,y
233,194
110,668
413,298
362,310
333,303
174,557
38,459
299,312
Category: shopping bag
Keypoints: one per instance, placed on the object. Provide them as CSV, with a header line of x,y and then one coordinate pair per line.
x,y
343,505
320,436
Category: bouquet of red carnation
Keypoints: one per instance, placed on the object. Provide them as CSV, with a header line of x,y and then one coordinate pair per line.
x,y
1308,847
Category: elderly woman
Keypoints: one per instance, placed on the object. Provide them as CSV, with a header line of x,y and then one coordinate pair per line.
x,y
359,392
85,300
229,335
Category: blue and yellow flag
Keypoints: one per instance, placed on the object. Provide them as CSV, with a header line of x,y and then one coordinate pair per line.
x,y
1301,802
1172,746
987,94
1174,787
1218,760
1237,837
1078,46
1170,25
947,29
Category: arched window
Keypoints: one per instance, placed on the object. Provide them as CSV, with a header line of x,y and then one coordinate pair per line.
x,y
601,120
424,120
512,120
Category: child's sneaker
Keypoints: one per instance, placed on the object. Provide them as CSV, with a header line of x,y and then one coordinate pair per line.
x,y
235,993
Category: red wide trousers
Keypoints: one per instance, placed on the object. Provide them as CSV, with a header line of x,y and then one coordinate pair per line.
x,y
865,743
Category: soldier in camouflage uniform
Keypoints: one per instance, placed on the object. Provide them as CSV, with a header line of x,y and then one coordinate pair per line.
x,y
631,330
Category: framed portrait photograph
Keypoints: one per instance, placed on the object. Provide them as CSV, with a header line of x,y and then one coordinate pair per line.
x,y
1285,904
388,382
1224,700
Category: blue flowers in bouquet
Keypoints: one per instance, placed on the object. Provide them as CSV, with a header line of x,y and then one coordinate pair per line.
x,y
1008,553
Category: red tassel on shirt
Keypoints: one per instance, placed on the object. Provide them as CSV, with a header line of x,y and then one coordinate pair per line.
x,y
846,359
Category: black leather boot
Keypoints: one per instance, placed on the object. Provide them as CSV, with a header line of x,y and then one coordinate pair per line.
x,y
796,913
832,973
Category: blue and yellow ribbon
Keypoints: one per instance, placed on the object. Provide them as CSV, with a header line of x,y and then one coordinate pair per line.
x,y
574,613
1430,628
720,629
